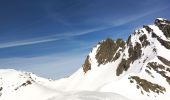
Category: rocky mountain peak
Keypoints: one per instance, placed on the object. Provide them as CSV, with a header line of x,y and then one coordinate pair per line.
x,y
108,51
140,48
163,25
161,21
143,53
87,65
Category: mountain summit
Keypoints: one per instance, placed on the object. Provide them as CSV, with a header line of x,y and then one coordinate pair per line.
x,y
142,62
137,69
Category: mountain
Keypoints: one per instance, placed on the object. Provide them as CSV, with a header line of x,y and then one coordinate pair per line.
x,y
136,69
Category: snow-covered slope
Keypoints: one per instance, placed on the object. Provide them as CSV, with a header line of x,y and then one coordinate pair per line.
x,y
138,68
16,85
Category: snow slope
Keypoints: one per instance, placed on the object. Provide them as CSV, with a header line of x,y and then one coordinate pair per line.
x,y
38,88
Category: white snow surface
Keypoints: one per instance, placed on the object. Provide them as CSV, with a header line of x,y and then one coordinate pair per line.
x,y
99,83
42,89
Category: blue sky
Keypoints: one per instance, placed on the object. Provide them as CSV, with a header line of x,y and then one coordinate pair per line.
x,y
52,37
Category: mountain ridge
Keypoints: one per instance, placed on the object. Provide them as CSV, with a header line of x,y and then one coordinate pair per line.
x,y
145,50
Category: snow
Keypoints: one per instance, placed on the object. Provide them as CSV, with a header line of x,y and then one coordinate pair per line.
x,y
10,79
161,19
88,95
158,31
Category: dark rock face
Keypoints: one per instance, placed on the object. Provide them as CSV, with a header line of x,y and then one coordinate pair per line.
x,y
147,71
107,50
1,88
134,53
166,44
148,28
28,82
129,40
123,66
120,43
87,65
165,61
163,25
147,86
144,41
159,69
117,55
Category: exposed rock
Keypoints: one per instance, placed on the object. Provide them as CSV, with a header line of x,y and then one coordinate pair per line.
x,y
144,41
87,65
148,28
129,41
134,53
28,82
147,71
107,50
1,88
143,37
165,61
154,50
120,43
163,25
117,55
159,69
147,86
166,44
123,66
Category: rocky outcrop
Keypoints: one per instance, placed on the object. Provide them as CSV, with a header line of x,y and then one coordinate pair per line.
x,y
1,90
108,50
146,86
159,68
87,65
144,41
148,28
123,66
163,25
165,61
166,44
28,82
134,53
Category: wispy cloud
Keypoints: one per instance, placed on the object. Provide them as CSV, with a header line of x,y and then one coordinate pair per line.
x,y
114,23
25,42
48,38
